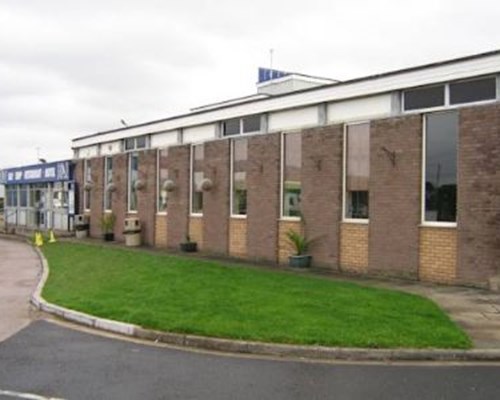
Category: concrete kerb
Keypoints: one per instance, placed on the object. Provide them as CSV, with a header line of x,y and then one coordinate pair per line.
x,y
255,348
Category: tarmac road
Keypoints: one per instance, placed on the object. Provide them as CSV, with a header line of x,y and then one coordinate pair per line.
x,y
47,359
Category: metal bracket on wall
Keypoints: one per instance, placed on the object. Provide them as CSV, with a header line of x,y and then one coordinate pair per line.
x,y
390,154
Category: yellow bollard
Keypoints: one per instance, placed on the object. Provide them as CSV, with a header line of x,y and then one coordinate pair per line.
x,y
38,239
52,238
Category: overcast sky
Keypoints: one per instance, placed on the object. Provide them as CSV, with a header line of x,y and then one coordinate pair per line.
x,y
70,68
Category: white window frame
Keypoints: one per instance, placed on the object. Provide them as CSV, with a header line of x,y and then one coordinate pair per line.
x,y
191,180
231,181
86,193
345,219
423,222
447,105
107,210
135,148
158,212
241,133
282,177
129,181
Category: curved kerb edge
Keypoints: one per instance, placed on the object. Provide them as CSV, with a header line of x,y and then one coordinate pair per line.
x,y
248,347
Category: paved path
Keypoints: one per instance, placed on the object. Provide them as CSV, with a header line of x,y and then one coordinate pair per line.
x,y
19,269
49,360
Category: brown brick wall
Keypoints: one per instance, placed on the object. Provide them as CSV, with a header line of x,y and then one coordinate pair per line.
x,y
395,196
196,231
285,248
438,255
216,200
322,192
478,199
96,197
178,199
238,237
146,197
161,231
263,196
354,247
119,197
78,177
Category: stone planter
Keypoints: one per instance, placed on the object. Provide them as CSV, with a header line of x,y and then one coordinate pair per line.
x,y
133,239
302,261
81,234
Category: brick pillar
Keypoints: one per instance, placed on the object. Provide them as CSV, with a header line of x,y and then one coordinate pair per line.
x,y
178,199
96,196
119,196
263,196
479,194
78,177
146,197
322,192
216,201
395,196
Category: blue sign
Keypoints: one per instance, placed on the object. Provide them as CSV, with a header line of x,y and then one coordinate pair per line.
x,y
267,74
49,172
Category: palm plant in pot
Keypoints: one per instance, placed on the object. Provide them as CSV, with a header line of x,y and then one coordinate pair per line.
x,y
108,226
301,245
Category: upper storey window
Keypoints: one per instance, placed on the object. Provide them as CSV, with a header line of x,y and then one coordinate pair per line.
x,y
136,143
237,126
450,94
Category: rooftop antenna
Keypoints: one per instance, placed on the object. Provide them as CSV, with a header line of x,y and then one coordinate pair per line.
x,y
123,122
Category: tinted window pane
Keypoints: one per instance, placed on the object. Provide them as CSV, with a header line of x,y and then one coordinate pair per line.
x,y
133,175
441,167
197,178
251,124
141,142
162,177
292,175
424,97
476,90
358,170
231,127
240,156
129,144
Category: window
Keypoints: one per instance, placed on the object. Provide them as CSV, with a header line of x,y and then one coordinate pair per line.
x,y
133,171
197,157
136,143
11,192
426,97
473,90
23,196
357,171
237,126
239,161
291,165
108,179
87,178
162,174
440,168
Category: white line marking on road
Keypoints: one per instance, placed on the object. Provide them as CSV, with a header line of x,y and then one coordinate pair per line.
x,y
27,396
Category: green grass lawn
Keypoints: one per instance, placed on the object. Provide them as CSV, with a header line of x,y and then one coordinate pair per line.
x,y
202,297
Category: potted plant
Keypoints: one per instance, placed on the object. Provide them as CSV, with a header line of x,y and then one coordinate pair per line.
x,y
301,245
188,246
107,227
81,231
132,232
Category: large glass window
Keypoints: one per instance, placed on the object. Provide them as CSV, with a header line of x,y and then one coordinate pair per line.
x,y
441,133
11,192
108,180
239,163
162,177
87,174
292,166
473,90
357,171
133,173
197,157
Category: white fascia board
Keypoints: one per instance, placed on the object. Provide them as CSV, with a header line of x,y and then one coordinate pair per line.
x,y
341,91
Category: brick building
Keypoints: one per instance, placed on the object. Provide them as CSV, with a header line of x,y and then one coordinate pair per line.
x,y
395,174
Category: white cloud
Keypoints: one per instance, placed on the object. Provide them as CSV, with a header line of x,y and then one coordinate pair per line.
x,y
73,68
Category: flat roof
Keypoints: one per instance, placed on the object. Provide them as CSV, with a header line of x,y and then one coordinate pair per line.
x,y
251,100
